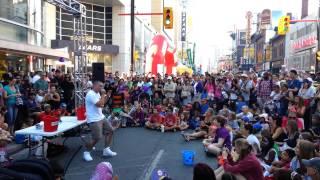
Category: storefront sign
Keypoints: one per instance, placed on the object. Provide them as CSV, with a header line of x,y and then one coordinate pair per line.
x,y
97,48
183,26
92,48
304,43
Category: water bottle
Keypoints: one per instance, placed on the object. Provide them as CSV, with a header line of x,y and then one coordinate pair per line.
x,y
162,128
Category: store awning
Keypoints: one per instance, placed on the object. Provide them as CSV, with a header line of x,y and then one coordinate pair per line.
x,y
26,49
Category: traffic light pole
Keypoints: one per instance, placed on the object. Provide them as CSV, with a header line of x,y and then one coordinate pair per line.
x,y
132,36
316,69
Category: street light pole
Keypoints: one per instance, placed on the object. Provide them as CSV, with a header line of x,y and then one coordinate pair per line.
x,y
132,36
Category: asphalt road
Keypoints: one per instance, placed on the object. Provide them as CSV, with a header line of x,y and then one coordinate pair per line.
x,y
139,152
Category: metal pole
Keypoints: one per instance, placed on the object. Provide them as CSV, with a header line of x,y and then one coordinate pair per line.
x,y
132,35
316,69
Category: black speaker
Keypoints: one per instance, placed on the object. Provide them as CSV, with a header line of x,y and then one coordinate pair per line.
x,y
98,72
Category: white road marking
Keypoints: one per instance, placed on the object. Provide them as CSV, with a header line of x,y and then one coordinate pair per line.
x,y
147,174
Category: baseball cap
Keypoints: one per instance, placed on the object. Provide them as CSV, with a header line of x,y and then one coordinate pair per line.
x,y
244,75
169,78
245,119
257,126
63,105
313,162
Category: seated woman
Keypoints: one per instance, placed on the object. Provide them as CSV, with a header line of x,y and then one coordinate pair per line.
x,y
292,133
248,132
154,121
278,134
293,112
243,165
222,138
170,122
269,151
202,131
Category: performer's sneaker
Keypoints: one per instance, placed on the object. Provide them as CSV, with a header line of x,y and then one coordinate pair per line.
x,y
108,152
87,156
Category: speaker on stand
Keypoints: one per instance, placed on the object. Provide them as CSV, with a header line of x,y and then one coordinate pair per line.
x,y
98,72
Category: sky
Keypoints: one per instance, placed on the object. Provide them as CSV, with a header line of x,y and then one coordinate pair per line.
x,y
212,20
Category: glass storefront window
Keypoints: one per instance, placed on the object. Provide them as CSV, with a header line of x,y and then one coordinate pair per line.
x,y
28,17
14,10
13,32
102,58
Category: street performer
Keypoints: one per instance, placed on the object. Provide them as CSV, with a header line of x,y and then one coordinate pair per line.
x,y
97,122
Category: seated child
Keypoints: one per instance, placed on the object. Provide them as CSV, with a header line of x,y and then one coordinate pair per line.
x,y
239,104
114,120
204,106
284,164
232,121
138,117
194,123
224,111
245,114
155,120
3,125
63,110
156,100
183,122
170,121
48,112
5,138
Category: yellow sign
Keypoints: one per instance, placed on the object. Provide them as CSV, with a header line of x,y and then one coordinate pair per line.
x,y
268,53
318,56
185,55
248,51
136,55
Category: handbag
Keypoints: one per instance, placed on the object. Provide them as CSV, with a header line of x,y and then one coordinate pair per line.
x,y
19,100
184,94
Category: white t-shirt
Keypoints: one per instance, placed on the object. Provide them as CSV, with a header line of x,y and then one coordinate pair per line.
x,y
39,99
252,139
307,94
35,78
94,113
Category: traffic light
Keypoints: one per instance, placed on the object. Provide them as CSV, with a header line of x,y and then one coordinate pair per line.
x,y
284,25
167,18
318,55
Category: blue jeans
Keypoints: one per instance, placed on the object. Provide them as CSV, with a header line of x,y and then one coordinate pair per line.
x,y
12,114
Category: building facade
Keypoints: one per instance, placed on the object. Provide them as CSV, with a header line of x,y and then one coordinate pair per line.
x,y
302,45
99,34
278,53
24,35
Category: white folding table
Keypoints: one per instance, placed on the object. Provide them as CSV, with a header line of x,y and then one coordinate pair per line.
x,y
66,123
